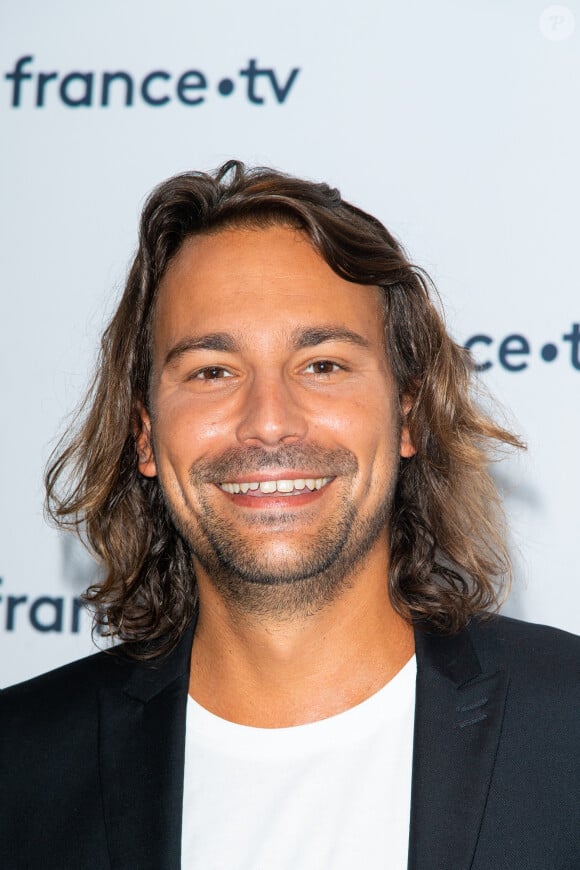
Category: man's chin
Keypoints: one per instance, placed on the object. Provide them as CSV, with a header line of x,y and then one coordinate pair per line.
x,y
279,584
274,566
278,595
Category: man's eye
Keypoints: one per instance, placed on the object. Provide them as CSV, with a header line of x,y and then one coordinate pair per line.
x,y
323,367
211,373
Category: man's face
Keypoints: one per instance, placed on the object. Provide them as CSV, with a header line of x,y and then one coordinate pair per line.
x,y
275,426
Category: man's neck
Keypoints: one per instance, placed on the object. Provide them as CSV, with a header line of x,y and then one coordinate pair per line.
x,y
273,674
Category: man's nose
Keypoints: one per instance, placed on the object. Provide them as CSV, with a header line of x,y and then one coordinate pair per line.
x,y
271,413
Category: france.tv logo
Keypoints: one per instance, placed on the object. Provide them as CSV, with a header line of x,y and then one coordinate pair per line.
x,y
31,88
514,352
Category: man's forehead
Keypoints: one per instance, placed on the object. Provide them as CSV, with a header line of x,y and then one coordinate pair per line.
x,y
278,251
272,279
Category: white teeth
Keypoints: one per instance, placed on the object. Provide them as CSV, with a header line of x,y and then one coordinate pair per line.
x,y
270,486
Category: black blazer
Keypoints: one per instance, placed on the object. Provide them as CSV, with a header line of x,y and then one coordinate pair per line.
x,y
92,755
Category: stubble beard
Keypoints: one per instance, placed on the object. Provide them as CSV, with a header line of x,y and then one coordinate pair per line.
x,y
276,588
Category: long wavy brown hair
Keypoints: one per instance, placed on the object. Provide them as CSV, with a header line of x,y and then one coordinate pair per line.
x,y
448,557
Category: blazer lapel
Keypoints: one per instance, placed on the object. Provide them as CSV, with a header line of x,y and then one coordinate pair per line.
x,y
142,752
458,717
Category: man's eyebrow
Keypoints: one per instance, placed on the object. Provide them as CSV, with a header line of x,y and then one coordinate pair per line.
x,y
221,341
314,335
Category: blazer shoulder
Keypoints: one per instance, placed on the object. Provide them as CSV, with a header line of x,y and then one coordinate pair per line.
x,y
74,689
67,686
535,653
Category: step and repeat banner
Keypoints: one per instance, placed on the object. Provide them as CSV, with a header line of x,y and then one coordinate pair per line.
x,y
457,123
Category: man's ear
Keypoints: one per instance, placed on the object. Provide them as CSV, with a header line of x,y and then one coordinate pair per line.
x,y
145,455
406,446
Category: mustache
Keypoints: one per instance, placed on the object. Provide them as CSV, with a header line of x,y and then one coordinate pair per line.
x,y
242,461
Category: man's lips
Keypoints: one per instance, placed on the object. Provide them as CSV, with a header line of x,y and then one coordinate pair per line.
x,y
275,487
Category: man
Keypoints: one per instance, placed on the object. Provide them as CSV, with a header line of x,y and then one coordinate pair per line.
x,y
283,473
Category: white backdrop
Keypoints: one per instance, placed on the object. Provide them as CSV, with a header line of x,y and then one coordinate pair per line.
x,y
457,123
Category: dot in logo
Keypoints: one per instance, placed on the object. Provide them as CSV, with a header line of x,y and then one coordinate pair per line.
x,y
225,87
549,352
557,23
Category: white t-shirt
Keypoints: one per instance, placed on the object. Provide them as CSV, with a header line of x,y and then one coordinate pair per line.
x,y
330,794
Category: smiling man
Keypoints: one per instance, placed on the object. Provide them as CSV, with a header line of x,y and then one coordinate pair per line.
x,y
283,472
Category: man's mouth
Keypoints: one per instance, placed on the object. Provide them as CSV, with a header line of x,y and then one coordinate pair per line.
x,y
290,486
